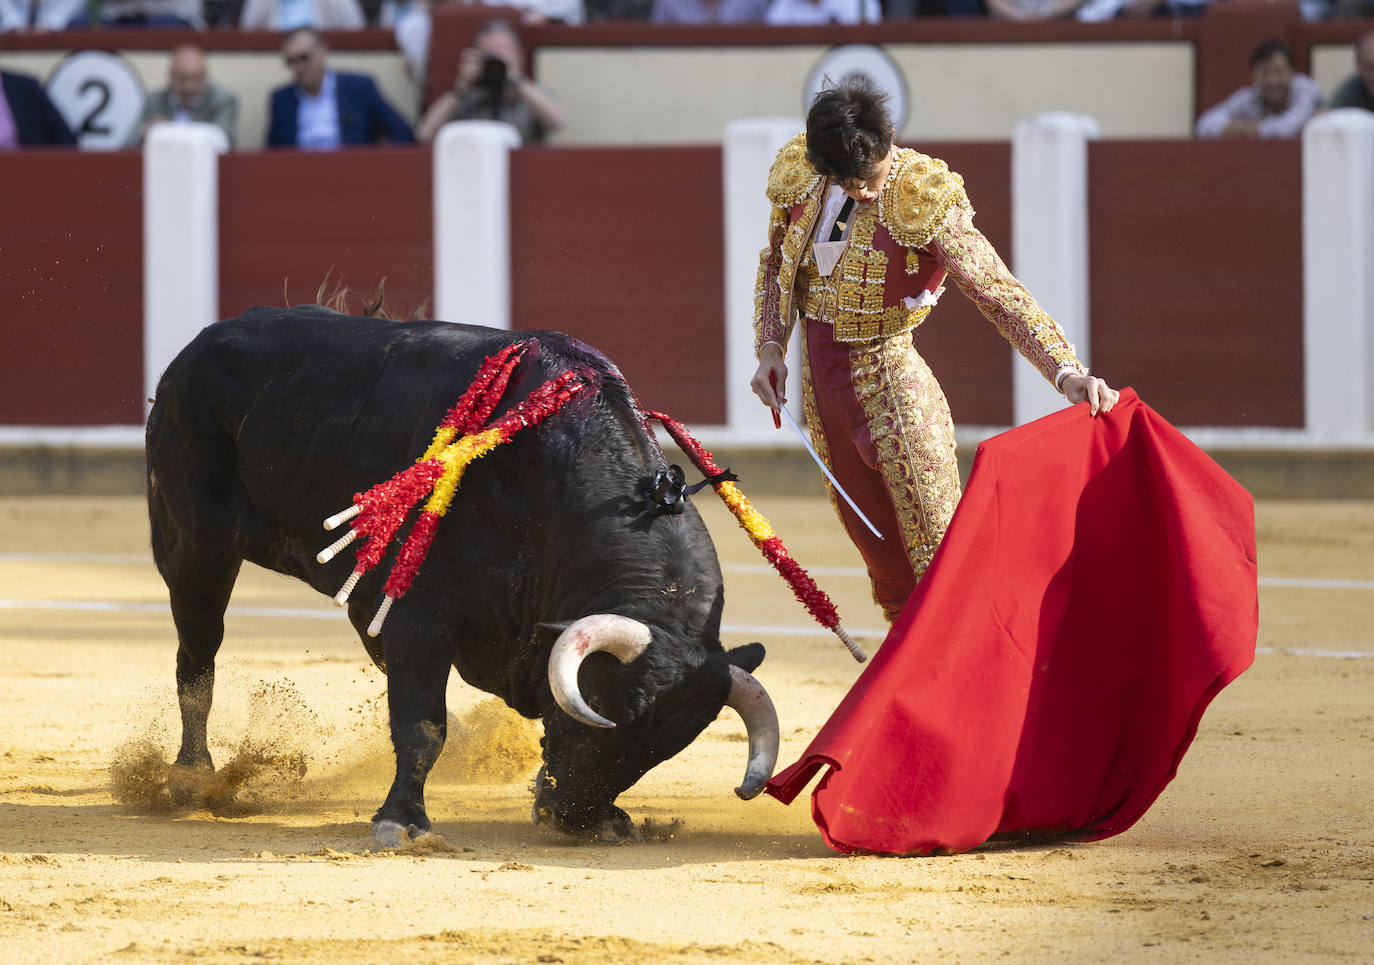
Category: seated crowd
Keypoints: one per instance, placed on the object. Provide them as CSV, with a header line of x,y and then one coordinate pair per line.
x,y
281,15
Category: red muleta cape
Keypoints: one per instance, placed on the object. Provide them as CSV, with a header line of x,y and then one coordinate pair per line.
x,y
1095,590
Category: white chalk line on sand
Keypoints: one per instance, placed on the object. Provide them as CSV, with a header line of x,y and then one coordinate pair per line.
x,y
855,572
1288,582
764,630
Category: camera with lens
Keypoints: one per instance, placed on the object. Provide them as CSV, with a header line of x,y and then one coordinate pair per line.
x,y
492,76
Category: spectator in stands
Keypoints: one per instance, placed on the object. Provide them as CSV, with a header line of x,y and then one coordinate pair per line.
x,y
411,23
541,11
325,109
158,14
1095,11
290,14
27,117
1025,10
602,10
789,13
491,85
1358,88
1278,102
1353,9
188,96
36,15
709,11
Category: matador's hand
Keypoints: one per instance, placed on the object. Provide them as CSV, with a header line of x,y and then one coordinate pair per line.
x,y
770,362
1098,394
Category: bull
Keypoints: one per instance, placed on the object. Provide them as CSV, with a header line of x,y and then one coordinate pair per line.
x,y
555,581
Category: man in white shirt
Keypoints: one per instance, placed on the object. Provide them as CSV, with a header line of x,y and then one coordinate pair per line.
x,y
794,13
1278,102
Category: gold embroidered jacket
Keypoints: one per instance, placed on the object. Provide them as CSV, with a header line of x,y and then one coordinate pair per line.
x,y
922,222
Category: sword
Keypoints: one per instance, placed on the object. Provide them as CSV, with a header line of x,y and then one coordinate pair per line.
x,y
828,474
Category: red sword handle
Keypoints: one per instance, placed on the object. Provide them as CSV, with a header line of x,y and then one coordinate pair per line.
x,y
773,381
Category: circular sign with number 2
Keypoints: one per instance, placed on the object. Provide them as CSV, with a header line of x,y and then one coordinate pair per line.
x,y
100,96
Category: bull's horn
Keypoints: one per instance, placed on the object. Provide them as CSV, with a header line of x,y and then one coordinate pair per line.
x,y
621,636
755,708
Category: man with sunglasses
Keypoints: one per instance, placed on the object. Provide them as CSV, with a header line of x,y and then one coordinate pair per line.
x,y
326,109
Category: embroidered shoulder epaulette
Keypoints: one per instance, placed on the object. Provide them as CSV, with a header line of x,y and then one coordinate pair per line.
x,y
917,197
791,176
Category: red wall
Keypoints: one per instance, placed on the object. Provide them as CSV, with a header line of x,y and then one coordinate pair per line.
x,y
968,355
624,250
71,283
1196,277
289,220
1196,269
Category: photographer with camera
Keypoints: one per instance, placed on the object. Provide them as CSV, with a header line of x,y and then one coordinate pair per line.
x,y
491,85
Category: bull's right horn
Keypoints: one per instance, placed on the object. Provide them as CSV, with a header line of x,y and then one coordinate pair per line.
x,y
621,636
754,706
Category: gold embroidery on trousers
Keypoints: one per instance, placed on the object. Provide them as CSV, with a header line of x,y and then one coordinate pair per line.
x,y
910,425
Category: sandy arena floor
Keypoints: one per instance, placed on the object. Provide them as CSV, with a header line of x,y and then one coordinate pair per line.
x,y
1261,850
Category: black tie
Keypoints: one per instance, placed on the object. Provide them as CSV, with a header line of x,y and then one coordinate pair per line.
x,y
842,220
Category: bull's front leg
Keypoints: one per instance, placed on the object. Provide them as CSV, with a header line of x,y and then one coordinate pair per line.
x,y
417,675
583,773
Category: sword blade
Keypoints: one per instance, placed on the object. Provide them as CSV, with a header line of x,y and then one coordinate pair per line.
x,y
801,434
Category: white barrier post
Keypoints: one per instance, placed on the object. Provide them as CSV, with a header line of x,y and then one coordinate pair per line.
x,y
1049,221
748,152
1338,272
180,241
472,222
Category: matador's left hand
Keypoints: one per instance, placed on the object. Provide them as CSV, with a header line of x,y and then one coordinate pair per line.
x,y
1098,394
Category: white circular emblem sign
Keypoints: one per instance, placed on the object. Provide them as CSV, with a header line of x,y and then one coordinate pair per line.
x,y
873,62
100,96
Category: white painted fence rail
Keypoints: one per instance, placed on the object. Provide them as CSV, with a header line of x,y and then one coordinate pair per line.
x,y
180,240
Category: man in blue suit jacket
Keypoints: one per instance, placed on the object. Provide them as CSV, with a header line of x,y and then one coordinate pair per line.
x,y
325,109
35,119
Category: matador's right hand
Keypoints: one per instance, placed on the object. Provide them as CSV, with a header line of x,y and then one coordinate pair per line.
x,y
770,364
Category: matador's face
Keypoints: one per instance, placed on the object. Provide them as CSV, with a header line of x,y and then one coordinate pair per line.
x,y
865,192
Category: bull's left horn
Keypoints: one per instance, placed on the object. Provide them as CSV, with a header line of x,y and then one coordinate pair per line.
x,y
755,708
621,636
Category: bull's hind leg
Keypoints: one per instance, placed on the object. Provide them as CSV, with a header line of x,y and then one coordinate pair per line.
x,y
200,592
200,574
417,676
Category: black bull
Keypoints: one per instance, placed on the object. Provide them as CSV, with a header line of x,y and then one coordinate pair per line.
x,y
267,423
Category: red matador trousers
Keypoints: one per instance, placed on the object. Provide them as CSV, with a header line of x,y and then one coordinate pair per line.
x,y
881,423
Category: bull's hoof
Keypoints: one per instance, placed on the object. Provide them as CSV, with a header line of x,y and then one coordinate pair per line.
x,y
616,829
187,784
392,834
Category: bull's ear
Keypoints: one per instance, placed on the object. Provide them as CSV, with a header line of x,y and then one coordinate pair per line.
x,y
747,657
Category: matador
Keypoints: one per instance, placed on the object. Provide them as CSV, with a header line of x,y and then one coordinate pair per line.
x,y
861,260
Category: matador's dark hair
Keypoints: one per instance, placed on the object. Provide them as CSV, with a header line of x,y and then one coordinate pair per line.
x,y
848,129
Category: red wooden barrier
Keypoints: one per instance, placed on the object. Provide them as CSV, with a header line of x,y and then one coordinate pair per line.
x,y
71,283
1196,269
1196,277
971,360
623,249
291,219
